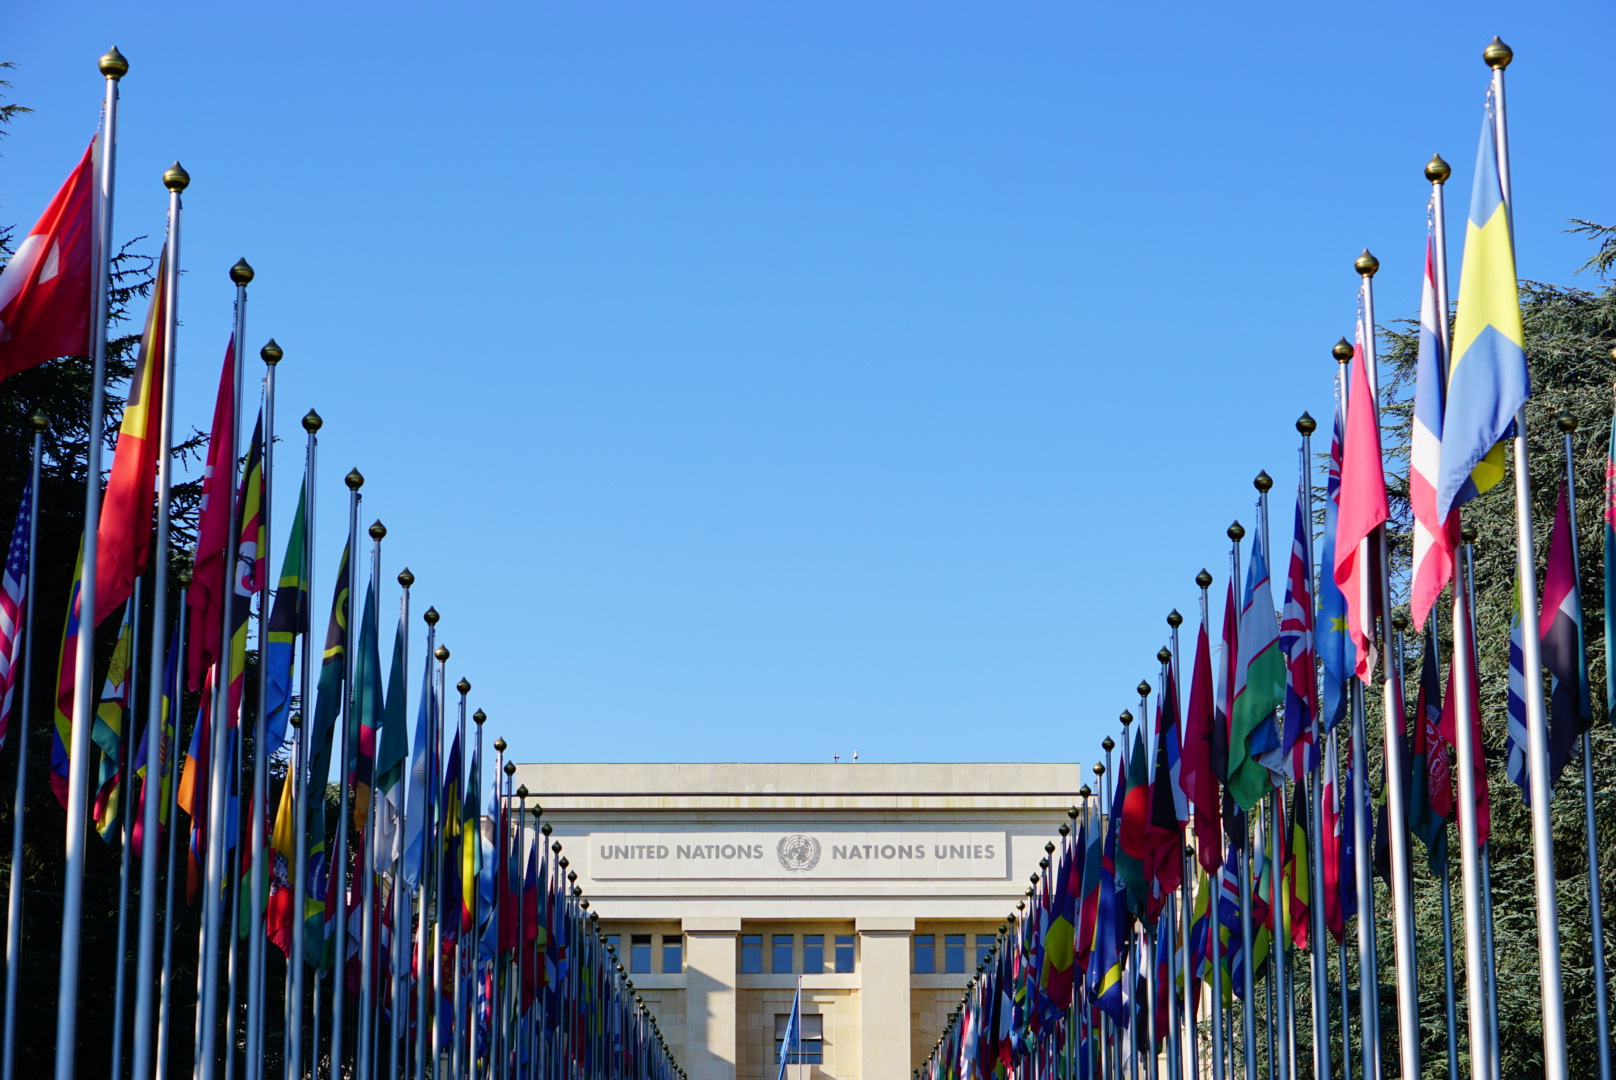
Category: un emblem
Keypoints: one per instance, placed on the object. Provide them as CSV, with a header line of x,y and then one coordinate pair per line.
x,y
798,853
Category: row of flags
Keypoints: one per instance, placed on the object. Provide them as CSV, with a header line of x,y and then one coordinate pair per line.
x,y
430,926
1232,844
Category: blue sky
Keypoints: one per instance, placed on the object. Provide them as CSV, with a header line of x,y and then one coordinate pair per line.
x,y
766,382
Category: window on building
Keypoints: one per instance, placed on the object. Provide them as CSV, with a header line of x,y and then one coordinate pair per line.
x,y
813,954
984,946
954,954
844,954
751,954
673,954
812,1043
639,954
780,955
616,943
925,954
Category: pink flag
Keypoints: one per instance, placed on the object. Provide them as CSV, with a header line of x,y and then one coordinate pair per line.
x,y
208,585
1363,510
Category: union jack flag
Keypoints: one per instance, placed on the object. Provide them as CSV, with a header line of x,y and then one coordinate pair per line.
x,y
13,591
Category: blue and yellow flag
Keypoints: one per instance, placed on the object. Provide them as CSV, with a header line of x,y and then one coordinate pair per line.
x,y
1487,376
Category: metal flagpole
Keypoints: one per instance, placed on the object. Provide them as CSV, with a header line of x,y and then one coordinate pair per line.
x,y
1568,425
441,654
182,578
355,480
364,1061
1268,983
1165,656
1447,972
300,794
1492,956
1213,898
234,909
457,1030
400,1026
1247,1011
424,901
1186,913
476,959
1498,56
271,355
212,907
113,67
1408,1001
1319,955
176,180
126,755
1364,875
14,901
1278,982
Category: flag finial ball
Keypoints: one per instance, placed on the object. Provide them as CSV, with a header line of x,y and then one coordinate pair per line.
x,y
1126,717
182,577
479,718
1237,532
242,273
40,421
114,66
442,653
1174,619
1468,533
1107,746
175,178
312,422
1143,688
431,617
1437,171
1497,54
1083,792
1306,424
271,353
1203,579
1366,264
1566,422
355,479
1400,622
378,531
1263,482
499,746
510,770
464,686
1049,847
1165,655
1342,351
405,578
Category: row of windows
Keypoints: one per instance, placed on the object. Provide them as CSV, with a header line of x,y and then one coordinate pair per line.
x,y
782,953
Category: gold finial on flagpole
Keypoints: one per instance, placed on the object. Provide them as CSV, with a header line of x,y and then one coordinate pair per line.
x,y
1164,654
464,685
405,578
1174,619
378,531
271,353
355,479
1237,532
431,616
175,178
1203,579
1566,422
1306,424
1437,171
312,422
442,653
114,66
1366,264
1342,351
1263,482
480,717
1497,54
241,273
40,421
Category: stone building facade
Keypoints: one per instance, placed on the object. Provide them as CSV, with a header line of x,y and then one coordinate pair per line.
x,y
877,887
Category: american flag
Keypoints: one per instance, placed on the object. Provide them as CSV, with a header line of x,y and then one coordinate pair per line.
x,y
13,589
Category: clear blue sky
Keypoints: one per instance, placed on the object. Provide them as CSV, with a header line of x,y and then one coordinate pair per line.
x,y
763,382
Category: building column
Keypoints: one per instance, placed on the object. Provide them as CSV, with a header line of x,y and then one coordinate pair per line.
x,y
710,1003
884,950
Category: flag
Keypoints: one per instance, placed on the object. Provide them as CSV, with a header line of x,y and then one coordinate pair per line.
x,y
1058,945
330,687
1363,509
1133,838
416,813
1434,532
1197,779
282,852
1516,744
13,597
1201,940
790,1043
1564,653
248,572
367,711
470,847
1351,808
1229,657
193,793
1164,861
1298,889
206,596
47,289
1259,686
1091,842
1335,647
392,754
1463,639
66,680
107,733
1296,756
1331,864
288,618
1105,981
449,826
1429,766
168,710
1487,377
1231,941
124,535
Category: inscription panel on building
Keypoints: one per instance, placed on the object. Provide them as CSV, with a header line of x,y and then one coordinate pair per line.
x,y
816,854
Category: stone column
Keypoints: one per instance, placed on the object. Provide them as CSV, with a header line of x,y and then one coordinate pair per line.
x,y
710,970
884,949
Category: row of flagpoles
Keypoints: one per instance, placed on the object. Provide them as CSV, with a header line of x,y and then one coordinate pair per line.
x,y
1228,847
444,933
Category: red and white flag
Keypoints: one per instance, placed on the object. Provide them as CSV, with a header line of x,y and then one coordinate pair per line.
x,y
45,292
1434,536
1363,509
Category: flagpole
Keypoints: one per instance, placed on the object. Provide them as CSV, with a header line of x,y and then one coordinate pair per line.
x,y
1341,947
271,355
476,958
441,654
424,889
1567,424
1248,1020
182,578
113,67
1214,923
457,1028
1277,981
367,933
355,480
125,757
1186,887
40,423
300,794
401,924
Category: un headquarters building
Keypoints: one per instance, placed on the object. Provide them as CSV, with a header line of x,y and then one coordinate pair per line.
x,y
877,886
